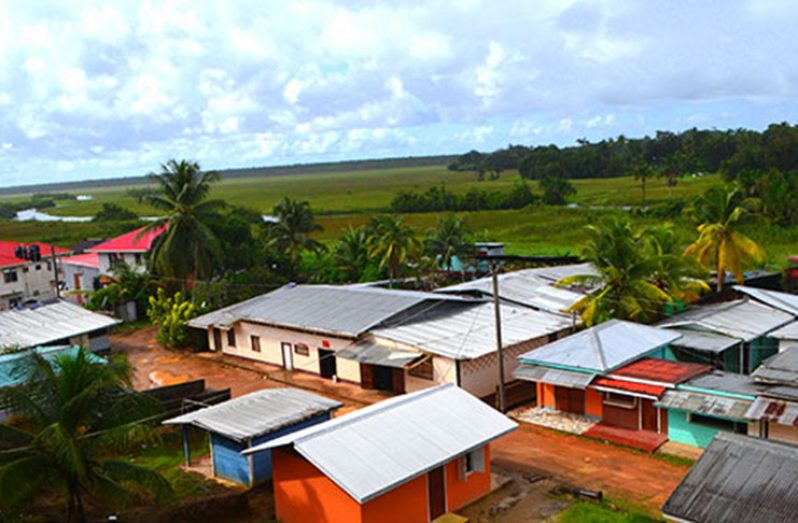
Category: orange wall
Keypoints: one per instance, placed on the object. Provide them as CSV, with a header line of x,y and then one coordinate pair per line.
x,y
545,395
405,503
302,493
460,493
593,402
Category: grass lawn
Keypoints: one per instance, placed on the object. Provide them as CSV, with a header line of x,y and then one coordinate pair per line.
x,y
603,512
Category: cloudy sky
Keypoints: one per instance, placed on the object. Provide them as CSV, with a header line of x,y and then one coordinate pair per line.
x,y
98,90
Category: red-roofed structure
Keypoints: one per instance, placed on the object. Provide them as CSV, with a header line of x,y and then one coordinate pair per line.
x,y
651,370
133,241
620,386
89,259
27,272
8,254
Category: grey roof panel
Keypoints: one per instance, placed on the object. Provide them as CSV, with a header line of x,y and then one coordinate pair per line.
x,y
778,300
703,340
739,478
774,411
743,319
709,404
375,449
728,382
779,368
788,332
561,377
469,332
257,413
48,324
347,310
374,352
603,347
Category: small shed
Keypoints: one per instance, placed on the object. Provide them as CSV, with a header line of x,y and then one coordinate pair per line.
x,y
251,420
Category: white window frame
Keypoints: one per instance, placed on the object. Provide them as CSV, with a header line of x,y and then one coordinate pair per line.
x,y
619,403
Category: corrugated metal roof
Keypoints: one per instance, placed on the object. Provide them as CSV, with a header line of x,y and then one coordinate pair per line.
x,y
720,406
14,372
739,478
257,413
561,377
48,323
774,410
602,348
743,319
728,382
661,371
533,288
623,386
788,332
375,449
346,311
468,332
378,352
703,340
779,368
778,300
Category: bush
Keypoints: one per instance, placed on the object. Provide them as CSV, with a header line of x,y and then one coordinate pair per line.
x,y
437,199
114,212
171,315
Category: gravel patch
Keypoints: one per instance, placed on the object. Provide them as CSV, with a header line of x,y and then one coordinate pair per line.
x,y
563,421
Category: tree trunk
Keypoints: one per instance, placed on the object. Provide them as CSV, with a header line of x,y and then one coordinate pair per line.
x,y
644,191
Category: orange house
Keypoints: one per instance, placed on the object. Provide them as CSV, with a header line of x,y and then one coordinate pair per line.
x,y
407,459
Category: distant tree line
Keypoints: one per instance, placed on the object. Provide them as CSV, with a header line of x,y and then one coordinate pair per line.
x,y
437,199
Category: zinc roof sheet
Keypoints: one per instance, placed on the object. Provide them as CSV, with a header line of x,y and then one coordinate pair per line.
x,y
375,449
788,332
378,352
774,410
743,319
703,340
560,377
603,347
709,404
468,332
257,413
726,382
48,323
346,311
779,368
739,478
778,300
133,241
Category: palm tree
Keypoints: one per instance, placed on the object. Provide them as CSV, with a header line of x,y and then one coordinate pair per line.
x,y
291,232
720,212
622,283
682,277
642,171
71,416
447,241
188,248
351,253
393,242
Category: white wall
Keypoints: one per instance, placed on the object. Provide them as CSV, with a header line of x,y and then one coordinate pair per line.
x,y
85,275
32,282
128,257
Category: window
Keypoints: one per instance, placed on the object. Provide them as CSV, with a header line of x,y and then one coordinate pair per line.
x,y
137,258
231,338
423,369
472,462
10,276
49,266
717,423
25,269
113,260
620,400
301,349
254,341
38,266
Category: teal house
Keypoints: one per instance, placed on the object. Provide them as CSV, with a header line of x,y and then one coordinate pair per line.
x,y
701,407
732,336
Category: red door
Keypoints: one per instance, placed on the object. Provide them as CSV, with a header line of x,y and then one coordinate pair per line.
x,y
569,400
436,493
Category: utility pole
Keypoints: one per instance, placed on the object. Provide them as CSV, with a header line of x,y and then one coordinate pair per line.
x,y
494,269
55,272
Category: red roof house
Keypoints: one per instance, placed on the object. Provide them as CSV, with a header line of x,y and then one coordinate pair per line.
x,y
8,252
133,241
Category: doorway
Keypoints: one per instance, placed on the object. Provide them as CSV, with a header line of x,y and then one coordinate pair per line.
x,y
288,356
383,377
217,339
436,492
327,366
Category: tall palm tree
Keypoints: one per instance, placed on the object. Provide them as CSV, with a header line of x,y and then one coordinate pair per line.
x,y
70,417
447,241
642,171
622,284
682,277
291,233
188,248
351,253
393,242
720,244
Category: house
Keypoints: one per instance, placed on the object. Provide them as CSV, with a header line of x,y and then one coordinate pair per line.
x,y
701,407
251,420
776,407
732,336
302,327
534,288
452,343
408,459
59,323
130,248
738,478
27,272
81,273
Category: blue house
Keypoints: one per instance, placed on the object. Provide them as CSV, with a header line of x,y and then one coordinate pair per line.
x,y
251,420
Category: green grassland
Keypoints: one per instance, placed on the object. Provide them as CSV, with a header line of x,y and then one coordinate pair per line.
x,y
342,199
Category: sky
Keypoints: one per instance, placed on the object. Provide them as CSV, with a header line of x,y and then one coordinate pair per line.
x,y
108,89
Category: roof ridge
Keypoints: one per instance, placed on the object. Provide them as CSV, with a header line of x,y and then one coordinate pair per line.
x,y
595,343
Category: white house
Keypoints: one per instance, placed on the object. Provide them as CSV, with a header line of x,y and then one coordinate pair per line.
x,y
131,248
81,273
27,272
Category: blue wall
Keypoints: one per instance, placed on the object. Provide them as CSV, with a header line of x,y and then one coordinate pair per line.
x,y
229,463
695,434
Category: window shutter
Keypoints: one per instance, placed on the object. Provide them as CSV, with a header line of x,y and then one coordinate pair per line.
x,y
461,468
478,459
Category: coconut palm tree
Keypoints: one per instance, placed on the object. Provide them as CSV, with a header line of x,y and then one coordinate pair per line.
x,y
720,244
447,241
622,284
188,248
351,253
291,233
70,418
393,242
643,171
682,277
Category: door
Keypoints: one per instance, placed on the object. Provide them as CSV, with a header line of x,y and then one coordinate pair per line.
x,y
217,339
76,278
650,413
383,377
569,400
288,356
436,493
327,367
